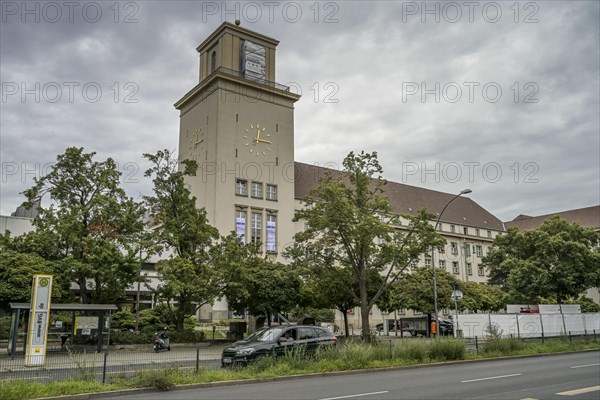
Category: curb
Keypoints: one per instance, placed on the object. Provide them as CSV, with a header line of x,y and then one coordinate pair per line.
x,y
125,392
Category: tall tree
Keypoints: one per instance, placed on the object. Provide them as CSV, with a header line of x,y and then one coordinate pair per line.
x,y
415,291
559,260
200,267
91,226
351,221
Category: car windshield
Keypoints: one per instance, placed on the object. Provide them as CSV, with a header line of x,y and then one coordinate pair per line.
x,y
265,335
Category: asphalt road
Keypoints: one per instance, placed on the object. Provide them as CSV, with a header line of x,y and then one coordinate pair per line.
x,y
565,376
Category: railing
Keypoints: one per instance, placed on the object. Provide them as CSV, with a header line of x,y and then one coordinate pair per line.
x,y
239,74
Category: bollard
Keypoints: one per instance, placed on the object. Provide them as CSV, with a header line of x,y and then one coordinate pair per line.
x,y
570,337
104,367
197,359
594,336
273,352
391,350
542,337
476,346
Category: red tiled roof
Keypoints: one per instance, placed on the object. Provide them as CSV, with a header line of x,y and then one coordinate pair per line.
x,y
406,199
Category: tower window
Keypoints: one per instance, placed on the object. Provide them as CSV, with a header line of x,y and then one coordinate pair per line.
x,y
256,227
241,187
271,192
213,61
257,190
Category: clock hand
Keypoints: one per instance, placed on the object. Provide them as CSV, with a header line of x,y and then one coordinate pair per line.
x,y
264,141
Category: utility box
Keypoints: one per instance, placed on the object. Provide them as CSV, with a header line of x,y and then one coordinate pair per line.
x,y
237,330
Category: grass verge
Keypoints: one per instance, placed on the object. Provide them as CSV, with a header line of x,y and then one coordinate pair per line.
x,y
352,356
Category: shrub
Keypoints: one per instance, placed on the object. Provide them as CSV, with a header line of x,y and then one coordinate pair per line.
x,y
4,327
447,349
158,378
187,336
503,346
412,351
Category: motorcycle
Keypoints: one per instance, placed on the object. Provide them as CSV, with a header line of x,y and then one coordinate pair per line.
x,y
161,342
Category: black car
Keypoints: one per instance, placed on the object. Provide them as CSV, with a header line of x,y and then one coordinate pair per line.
x,y
278,340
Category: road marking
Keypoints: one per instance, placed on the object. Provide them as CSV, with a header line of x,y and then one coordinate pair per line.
x,y
488,378
355,395
588,365
579,391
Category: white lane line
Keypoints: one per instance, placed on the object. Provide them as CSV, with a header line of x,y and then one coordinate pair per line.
x,y
355,395
488,378
588,365
579,391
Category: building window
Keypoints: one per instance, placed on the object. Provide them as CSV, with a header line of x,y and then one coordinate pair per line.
x,y
467,250
241,187
402,311
489,233
439,228
442,249
257,189
455,269
442,264
271,233
469,269
452,228
476,232
454,248
428,263
271,192
480,271
412,264
478,250
465,230
256,227
240,225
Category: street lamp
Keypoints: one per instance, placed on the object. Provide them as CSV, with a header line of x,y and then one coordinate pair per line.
x,y
435,293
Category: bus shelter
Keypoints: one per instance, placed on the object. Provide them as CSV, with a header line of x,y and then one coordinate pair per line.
x,y
86,320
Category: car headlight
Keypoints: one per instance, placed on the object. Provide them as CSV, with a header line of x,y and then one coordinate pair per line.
x,y
244,352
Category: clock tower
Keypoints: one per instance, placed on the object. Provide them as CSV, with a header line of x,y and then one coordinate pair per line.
x,y
238,124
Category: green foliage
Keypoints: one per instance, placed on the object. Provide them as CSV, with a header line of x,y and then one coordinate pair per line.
x,y
4,328
504,346
351,224
156,378
17,270
447,349
319,314
270,288
91,230
482,297
415,291
558,260
204,267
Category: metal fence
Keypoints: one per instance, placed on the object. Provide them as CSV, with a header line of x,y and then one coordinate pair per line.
x,y
527,325
105,366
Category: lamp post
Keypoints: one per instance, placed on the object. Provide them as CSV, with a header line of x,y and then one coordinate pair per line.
x,y
456,296
435,293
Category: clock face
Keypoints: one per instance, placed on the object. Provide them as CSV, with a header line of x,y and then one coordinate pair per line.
x,y
196,142
257,140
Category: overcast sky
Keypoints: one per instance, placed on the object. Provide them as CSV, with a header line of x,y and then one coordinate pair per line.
x,y
499,97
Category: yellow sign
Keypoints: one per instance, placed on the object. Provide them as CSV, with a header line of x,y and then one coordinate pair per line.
x,y
39,315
